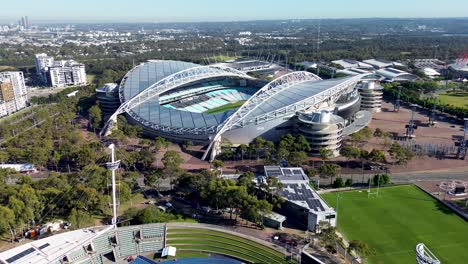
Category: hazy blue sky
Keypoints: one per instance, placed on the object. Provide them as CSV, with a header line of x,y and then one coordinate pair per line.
x,y
224,10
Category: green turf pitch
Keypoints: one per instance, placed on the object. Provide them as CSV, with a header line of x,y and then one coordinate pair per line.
x,y
398,219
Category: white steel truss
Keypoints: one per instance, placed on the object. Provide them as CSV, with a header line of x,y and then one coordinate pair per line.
x,y
171,82
266,92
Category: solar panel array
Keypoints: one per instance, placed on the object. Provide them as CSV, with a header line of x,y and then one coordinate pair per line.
x,y
21,255
300,192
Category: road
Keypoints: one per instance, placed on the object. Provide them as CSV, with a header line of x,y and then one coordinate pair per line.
x,y
415,176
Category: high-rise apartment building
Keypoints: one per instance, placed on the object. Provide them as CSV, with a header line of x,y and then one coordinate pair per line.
x,y
13,93
60,73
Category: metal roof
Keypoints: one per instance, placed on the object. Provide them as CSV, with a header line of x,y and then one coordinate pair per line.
x,y
161,75
147,74
294,94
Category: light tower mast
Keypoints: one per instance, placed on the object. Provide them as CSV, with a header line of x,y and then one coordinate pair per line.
x,y
462,148
113,165
397,102
432,117
411,126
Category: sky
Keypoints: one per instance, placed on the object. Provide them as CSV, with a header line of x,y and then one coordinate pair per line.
x,y
222,10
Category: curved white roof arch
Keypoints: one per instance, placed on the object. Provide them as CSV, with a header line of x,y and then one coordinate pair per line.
x,y
173,81
266,92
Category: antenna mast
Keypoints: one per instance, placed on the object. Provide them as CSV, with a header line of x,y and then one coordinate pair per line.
x,y
113,166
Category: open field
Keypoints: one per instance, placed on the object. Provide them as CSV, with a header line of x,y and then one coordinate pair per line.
x,y
90,78
7,68
223,58
209,241
225,107
457,98
398,219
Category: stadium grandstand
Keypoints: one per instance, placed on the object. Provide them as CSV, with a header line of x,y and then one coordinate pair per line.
x,y
107,244
203,104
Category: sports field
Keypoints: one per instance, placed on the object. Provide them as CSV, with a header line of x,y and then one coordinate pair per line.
x,y
458,98
398,219
225,107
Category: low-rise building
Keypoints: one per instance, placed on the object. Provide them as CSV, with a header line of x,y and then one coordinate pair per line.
x,y
13,92
302,203
395,75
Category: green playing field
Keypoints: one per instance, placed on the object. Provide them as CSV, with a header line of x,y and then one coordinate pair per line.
x,y
398,219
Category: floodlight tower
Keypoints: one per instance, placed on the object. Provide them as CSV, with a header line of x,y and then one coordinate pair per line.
x,y
397,102
411,126
432,117
462,148
113,165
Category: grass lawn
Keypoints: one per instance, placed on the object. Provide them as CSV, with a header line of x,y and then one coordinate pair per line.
x,y
225,107
222,243
7,68
90,78
457,98
223,58
401,217
136,200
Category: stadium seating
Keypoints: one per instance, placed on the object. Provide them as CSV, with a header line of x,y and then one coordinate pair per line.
x,y
213,99
153,230
102,244
77,255
126,241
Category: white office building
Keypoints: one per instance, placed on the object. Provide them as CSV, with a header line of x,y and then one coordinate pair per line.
x,y
60,73
13,93
66,73
43,62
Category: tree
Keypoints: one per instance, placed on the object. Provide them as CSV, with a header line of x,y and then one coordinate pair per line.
x,y
329,171
152,214
146,158
7,220
301,144
241,150
400,154
360,247
325,154
298,158
377,156
80,218
349,182
362,135
172,161
95,116
311,173
338,183
217,164
350,152
381,179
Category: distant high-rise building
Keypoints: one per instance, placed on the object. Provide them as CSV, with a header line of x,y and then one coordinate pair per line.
x,y
60,73
13,93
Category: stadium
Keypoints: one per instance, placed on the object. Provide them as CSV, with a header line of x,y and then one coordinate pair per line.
x,y
184,102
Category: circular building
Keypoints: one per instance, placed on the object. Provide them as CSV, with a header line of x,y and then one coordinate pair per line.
x,y
322,129
204,104
371,96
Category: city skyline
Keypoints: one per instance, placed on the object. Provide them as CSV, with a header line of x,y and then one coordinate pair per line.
x,y
212,11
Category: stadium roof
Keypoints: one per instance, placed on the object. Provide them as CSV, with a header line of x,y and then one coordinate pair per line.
x,y
166,75
147,74
51,249
294,94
